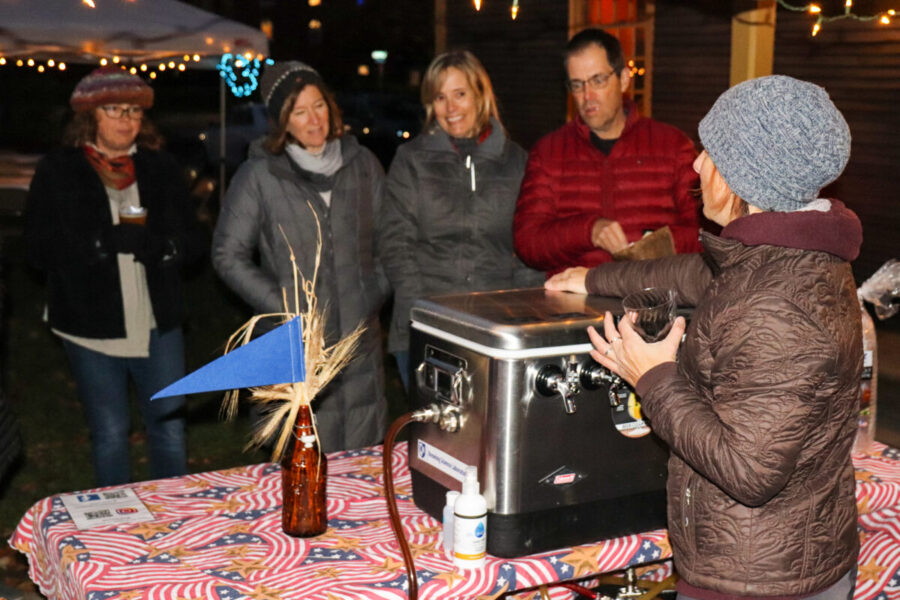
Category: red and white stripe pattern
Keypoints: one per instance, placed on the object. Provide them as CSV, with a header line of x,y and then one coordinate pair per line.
x,y
218,535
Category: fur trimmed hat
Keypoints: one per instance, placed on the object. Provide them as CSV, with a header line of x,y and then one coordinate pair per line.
x,y
110,85
282,78
776,141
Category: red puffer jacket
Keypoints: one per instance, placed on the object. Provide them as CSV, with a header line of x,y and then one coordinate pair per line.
x,y
644,183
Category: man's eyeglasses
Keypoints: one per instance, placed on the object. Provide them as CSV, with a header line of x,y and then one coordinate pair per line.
x,y
598,81
114,111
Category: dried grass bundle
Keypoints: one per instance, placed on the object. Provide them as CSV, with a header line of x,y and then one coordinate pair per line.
x,y
281,402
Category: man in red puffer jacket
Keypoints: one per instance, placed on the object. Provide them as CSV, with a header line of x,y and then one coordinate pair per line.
x,y
599,182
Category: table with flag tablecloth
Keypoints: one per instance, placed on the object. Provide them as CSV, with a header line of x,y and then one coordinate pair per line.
x,y
217,535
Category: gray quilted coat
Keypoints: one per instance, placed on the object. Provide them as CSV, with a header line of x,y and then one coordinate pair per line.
x,y
266,195
760,410
437,234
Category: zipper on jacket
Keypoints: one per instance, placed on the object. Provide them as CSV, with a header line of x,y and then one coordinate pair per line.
x,y
470,165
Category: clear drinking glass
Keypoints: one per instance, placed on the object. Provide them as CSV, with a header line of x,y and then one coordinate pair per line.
x,y
652,312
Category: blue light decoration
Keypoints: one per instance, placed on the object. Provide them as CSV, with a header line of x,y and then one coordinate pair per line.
x,y
241,73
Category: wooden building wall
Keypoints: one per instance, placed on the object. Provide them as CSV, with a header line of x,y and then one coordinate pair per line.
x,y
523,58
859,65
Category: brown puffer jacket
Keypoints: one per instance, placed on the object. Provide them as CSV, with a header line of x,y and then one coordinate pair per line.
x,y
759,411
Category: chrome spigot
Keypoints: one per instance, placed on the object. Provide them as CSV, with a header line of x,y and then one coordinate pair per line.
x,y
552,380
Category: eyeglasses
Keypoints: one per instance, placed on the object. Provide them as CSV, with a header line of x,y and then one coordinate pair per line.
x,y
114,111
598,81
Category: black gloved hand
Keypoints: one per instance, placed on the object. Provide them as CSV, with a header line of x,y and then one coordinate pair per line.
x,y
153,249
129,238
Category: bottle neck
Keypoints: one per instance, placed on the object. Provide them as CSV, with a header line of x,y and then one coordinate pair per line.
x,y
304,433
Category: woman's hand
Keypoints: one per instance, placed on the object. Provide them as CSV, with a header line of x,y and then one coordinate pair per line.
x,y
570,280
624,352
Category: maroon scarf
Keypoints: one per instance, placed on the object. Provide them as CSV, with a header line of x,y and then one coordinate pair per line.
x,y
116,173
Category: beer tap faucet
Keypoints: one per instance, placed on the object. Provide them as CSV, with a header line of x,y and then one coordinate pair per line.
x,y
552,380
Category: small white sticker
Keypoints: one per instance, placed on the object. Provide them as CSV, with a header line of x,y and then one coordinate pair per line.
x,y
441,461
868,359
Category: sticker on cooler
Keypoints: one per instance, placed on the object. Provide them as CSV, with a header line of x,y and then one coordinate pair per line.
x,y
441,461
626,414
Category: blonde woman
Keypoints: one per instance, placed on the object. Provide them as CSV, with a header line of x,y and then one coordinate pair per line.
x,y
450,197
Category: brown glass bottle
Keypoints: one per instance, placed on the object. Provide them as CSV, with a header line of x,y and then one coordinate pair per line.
x,y
303,474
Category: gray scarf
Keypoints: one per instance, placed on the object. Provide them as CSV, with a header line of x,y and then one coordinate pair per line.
x,y
318,168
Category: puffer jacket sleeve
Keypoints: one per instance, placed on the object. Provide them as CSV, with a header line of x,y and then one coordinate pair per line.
x,y
376,180
687,274
543,238
768,358
237,236
684,229
397,233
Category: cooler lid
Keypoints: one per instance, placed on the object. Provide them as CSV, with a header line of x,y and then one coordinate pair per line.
x,y
514,319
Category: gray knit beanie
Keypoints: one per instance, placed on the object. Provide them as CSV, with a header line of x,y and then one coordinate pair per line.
x,y
282,78
776,141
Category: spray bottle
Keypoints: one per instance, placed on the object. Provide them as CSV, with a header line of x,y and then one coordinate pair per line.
x,y
448,521
470,524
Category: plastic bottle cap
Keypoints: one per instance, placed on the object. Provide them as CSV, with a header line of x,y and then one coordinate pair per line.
x,y
451,497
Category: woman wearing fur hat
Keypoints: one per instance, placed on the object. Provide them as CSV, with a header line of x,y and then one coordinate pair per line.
x,y
305,176
115,288
759,410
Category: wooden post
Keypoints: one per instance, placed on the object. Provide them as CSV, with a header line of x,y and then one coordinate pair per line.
x,y
753,42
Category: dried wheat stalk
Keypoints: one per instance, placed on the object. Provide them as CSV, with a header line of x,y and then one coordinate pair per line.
x,y
281,402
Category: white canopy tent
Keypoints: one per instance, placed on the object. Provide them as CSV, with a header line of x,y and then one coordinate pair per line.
x,y
128,31
135,30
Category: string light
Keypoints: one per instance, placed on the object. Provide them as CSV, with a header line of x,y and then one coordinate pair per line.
x,y
240,73
90,3
103,62
513,8
2,61
882,18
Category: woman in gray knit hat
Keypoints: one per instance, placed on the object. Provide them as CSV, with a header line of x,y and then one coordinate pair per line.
x,y
759,409
308,174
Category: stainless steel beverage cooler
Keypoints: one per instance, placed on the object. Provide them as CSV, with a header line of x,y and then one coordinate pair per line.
x,y
562,452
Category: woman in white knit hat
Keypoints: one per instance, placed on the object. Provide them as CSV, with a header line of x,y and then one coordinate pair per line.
x,y
759,410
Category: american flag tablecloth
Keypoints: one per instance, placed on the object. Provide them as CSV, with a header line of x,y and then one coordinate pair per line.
x,y
218,535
